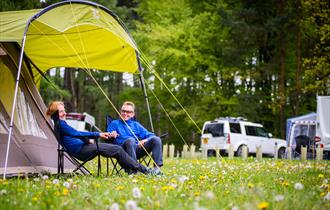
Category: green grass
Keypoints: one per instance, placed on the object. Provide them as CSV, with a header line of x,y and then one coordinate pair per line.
x,y
187,184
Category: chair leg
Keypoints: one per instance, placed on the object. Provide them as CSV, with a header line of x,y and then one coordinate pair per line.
x,y
107,166
115,169
99,165
60,161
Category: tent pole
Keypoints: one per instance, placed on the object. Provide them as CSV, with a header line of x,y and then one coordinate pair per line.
x,y
14,104
147,101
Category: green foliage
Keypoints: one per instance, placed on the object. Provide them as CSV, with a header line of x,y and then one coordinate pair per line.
x,y
317,24
218,58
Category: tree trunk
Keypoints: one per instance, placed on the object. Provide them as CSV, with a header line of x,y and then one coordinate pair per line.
x,y
71,103
282,51
297,94
118,88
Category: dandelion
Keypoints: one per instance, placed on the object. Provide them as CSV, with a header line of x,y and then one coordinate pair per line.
x,y
321,175
263,205
298,186
182,179
250,185
114,206
197,207
327,197
3,192
56,181
119,188
136,192
209,195
45,177
34,198
67,185
279,198
131,205
65,191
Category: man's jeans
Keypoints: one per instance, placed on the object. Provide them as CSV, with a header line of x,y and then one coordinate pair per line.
x,y
153,144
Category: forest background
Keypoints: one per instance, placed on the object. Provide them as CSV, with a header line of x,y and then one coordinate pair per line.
x,y
262,60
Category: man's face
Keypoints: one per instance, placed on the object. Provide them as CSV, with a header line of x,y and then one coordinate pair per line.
x,y
61,112
127,112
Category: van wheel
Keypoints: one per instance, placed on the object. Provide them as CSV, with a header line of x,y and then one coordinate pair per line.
x,y
211,153
281,153
239,151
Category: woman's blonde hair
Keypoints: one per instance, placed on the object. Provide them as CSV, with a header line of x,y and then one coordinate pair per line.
x,y
53,107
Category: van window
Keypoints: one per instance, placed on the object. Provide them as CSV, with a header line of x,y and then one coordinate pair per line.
x,y
216,129
235,128
255,131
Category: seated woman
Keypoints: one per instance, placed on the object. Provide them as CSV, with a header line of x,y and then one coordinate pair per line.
x,y
73,141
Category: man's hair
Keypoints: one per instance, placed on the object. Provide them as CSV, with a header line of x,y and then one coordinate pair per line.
x,y
130,103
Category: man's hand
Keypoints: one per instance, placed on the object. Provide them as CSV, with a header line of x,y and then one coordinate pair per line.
x,y
141,143
113,134
107,135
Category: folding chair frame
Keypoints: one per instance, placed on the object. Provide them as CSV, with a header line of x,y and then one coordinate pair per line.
x,y
62,152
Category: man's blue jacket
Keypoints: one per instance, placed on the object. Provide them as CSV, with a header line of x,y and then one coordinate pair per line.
x,y
124,132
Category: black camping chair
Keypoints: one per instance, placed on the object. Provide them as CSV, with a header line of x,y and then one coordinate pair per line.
x,y
63,152
146,159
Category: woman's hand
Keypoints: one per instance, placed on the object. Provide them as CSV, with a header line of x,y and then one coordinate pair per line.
x,y
107,135
104,135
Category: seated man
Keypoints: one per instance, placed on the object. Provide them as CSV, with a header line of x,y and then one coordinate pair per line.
x,y
134,138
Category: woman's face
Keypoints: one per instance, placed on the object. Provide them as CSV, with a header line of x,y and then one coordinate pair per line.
x,y
61,112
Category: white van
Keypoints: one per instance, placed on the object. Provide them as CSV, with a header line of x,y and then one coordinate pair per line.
x,y
222,132
81,121
322,137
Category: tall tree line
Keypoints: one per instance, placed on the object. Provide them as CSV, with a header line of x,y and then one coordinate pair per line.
x,y
263,60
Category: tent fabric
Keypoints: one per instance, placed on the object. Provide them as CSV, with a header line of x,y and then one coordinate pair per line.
x,y
33,147
72,35
299,119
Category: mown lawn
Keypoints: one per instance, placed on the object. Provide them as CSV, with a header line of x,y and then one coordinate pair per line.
x,y
187,184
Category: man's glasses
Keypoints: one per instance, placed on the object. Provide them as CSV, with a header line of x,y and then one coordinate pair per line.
x,y
126,111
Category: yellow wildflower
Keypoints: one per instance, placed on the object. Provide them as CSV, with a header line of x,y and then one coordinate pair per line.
x,y
321,175
263,205
250,185
34,198
65,191
120,187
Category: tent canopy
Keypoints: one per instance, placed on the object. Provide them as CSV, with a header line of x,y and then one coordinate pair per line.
x,y
311,117
76,34
73,33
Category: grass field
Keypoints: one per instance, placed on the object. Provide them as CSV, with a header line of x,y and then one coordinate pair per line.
x,y
187,184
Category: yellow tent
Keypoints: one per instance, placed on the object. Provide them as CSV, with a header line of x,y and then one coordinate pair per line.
x,y
71,34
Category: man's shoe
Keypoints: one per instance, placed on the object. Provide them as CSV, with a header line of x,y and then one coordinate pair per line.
x,y
154,171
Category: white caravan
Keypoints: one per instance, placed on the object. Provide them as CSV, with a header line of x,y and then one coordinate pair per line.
x,y
322,137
